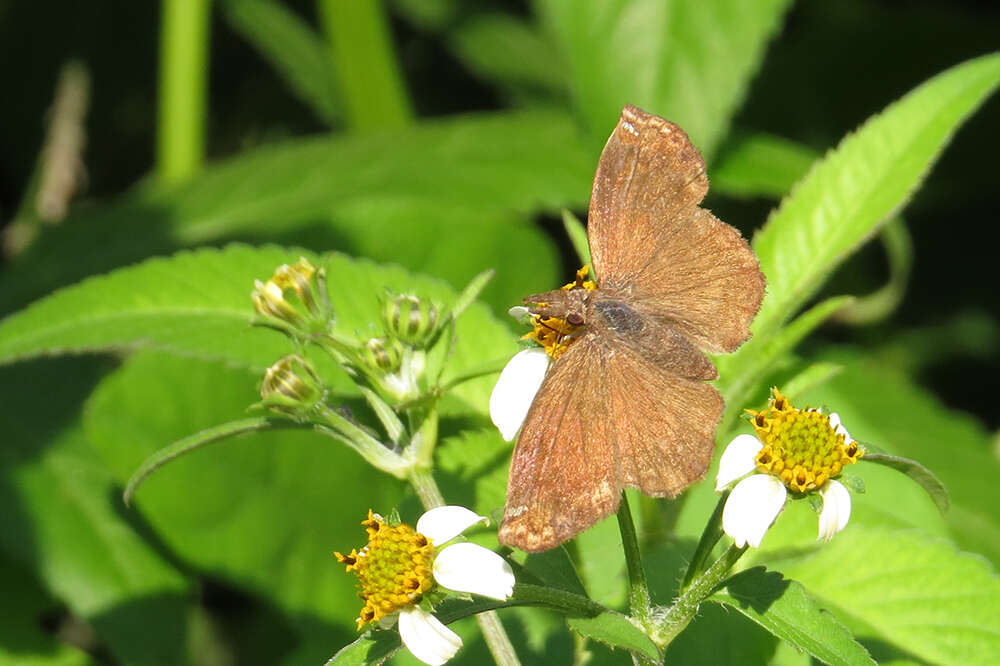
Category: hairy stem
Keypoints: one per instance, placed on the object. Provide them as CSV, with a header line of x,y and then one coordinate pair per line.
x,y
638,591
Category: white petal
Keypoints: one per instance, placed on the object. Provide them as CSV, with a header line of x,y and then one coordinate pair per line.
x,y
516,389
836,509
444,523
423,634
520,313
737,460
466,567
751,508
839,428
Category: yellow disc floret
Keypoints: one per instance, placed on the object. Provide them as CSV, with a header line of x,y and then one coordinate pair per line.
x,y
801,446
554,334
394,569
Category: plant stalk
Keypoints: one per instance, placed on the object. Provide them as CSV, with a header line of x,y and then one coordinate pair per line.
x,y
679,615
180,133
638,590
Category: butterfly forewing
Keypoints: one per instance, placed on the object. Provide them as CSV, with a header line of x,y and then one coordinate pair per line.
x,y
648,235
649,176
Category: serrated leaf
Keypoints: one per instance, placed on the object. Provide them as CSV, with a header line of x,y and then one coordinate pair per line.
x,y
687,60
371,648
782,607
616,631
918,473
447,197
198,304
292,47
860,185
911,590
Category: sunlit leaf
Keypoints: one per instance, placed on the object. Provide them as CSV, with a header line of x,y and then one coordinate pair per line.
x,y
687,60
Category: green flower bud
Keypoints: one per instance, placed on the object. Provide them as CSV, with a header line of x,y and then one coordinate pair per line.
x,y
384,354
410,319
291,386
295,297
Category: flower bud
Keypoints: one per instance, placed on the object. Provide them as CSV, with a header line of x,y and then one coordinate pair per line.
x,y
296,297
410,319
384,354
291,386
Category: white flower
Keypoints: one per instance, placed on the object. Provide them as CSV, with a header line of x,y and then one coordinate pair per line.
x,y
805,449
751,508
836,509
515,390
426,638
411,562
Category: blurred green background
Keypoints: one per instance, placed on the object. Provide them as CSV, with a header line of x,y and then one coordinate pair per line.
x,y
494,128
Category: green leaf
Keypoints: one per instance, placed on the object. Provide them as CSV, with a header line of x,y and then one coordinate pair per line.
x,y
881,303
862,184
741,373
371,648
616,631
292,47
918,473
782,607
720,637
687,60
913,591
447,197
530,67
264,514
760,165
809,377
61,519
198,304
188,444
577,233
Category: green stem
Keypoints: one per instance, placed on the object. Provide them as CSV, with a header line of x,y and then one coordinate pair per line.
x,y
709,537
489,623
370,83
684,608
638,591
180,140
426,488
371,449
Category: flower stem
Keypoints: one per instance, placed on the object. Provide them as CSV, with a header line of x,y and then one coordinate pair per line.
x,y
426,488
489,623
638,591
184,37
680,614
709,537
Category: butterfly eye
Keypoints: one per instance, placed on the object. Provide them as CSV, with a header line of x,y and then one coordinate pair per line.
x,y
574,319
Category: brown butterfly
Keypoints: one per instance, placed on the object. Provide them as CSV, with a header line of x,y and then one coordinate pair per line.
x,y
626,404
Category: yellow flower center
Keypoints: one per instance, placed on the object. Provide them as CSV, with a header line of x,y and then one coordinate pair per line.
x,y
554,334
394,569
801,446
